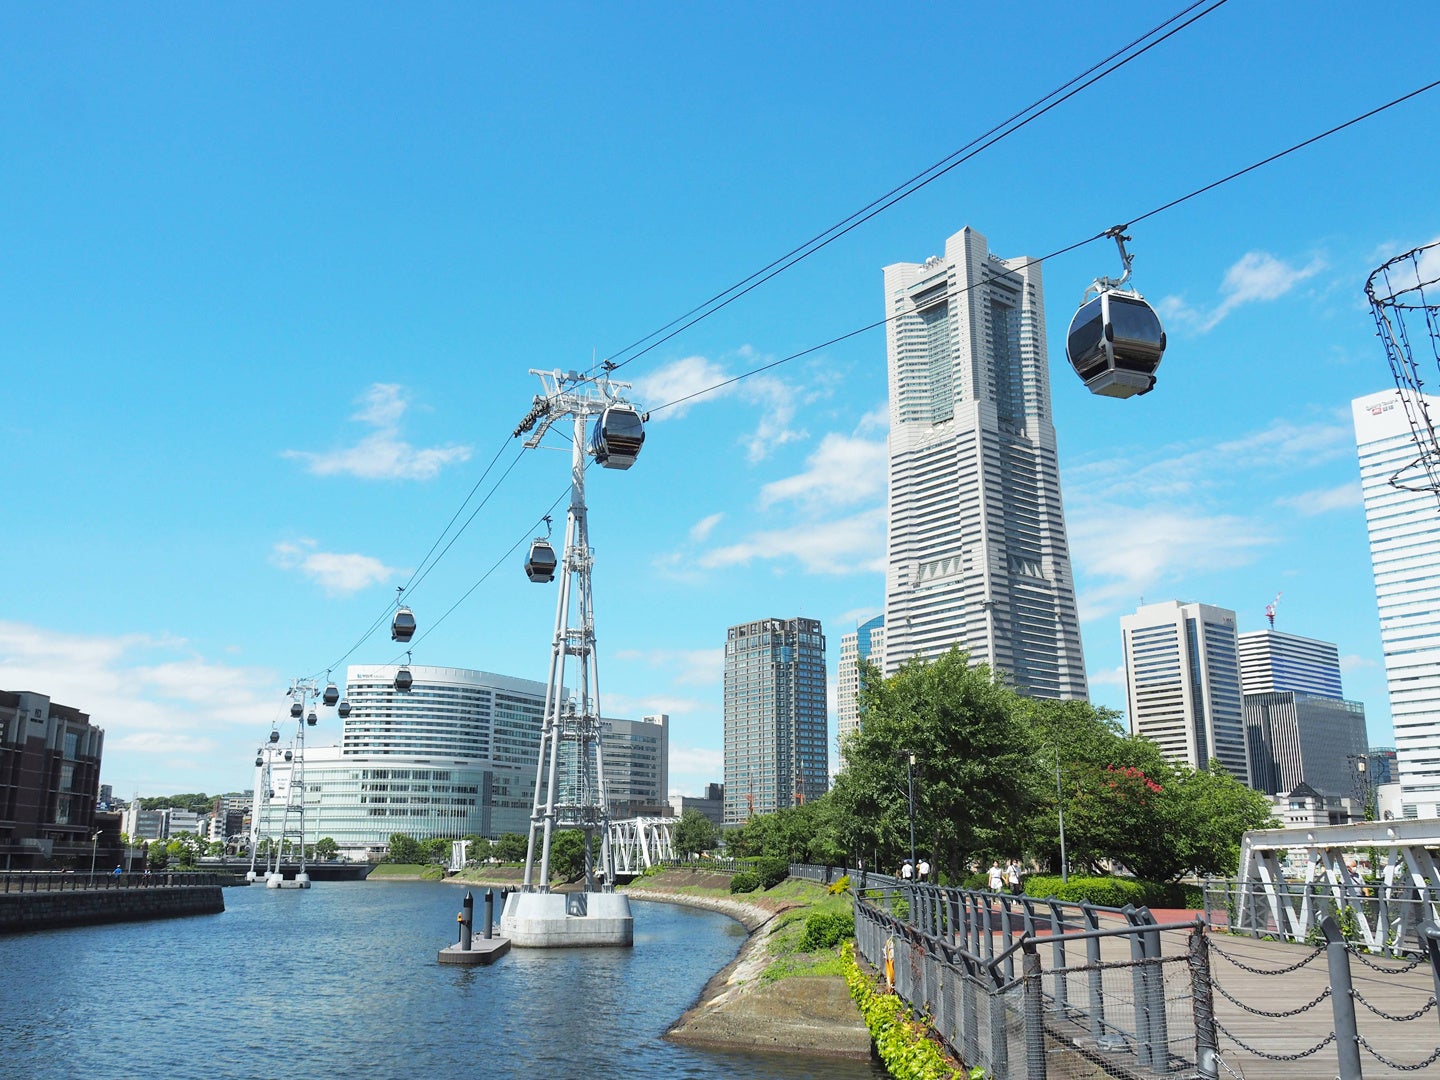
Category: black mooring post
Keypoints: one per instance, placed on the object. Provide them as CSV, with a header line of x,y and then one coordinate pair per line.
x,y
467,918
489,913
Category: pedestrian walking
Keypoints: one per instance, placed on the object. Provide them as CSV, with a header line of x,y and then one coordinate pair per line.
x,y
1012,877
906,870
924,869
997,876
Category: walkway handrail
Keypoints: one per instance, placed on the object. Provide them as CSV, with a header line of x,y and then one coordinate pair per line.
x,y
36,881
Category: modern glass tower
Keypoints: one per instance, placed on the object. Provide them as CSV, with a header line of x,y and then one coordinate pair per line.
x,y
977,552
865,642
776,743
1298,726
1403,518
1182,682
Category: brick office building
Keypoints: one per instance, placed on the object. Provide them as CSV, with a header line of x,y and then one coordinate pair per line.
x,y
49,782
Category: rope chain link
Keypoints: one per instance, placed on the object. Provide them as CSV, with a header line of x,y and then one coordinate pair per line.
x,y
1275,1057
1387,1016
1434,1057
1273,1015
1263,971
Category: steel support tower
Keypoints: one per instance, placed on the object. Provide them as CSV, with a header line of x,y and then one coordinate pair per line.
x,y
570,768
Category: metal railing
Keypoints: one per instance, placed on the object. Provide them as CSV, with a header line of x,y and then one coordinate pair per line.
x,y
951,955
39,881
1381,918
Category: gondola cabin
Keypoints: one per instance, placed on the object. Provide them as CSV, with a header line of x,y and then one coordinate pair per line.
x,y
540,564
258,759
402,627
296,710
618,436
312,719
331,695
289,755
1115,344
274,735
343,708
403,679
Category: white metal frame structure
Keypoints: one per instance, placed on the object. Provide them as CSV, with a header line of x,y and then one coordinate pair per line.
x,y
572,707
1384,913
642,842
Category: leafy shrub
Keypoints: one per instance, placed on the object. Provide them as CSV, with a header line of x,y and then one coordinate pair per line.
x,y
839,885
432,873
1100,891
903,1045
772,871
826,929
745,882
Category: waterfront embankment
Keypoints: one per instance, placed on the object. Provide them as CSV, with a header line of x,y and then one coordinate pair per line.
x,y
741,1008
22,912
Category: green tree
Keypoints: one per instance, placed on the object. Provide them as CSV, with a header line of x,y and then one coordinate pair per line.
x,y
694,833
156,855
403,849
567,854
480,849
510,848
326,848
436,850
974,755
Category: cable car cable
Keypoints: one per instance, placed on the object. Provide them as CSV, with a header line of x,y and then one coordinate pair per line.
x,y
1059,251
971,149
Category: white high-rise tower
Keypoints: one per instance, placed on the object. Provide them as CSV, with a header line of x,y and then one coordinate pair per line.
x,y
977,550
1404,524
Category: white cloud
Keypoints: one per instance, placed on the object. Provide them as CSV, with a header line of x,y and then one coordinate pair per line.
x,y
1324,500
338,574
164,710
703,528
671,387
842,471
1133,551
1255,277
1107,677
848,620
382,455
1352,662
847,545
690,667
1182,471
680,380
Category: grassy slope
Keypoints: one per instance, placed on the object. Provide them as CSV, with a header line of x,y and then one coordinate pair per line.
x,y
792,900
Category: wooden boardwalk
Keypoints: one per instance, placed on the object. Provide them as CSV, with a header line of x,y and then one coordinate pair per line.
x,y
1236,964
1239,971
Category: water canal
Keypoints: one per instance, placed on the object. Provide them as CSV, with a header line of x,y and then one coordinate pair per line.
x,y
342,980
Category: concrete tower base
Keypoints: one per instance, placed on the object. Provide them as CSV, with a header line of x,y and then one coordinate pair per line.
x,y
567,920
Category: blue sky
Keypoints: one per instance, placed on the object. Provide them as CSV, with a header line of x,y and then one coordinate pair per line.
x,y
272,280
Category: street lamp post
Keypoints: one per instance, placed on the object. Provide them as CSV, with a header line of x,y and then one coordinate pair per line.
x,y
1362,781
94,840
910,789
1060,812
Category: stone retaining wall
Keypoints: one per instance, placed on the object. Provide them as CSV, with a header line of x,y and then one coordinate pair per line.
x,y
20,912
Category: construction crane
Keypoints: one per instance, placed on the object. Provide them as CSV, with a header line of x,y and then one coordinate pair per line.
x,y
1270,609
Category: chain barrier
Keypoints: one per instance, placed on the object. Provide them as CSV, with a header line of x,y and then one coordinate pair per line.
x,y
1434,1057
1263,971
1387,1016
1273,1015
1238,1075
1275,1057
1384,970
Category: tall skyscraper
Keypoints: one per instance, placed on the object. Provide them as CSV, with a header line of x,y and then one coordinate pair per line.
x,y
1404,530
1182,682
776,742
977,553
865,642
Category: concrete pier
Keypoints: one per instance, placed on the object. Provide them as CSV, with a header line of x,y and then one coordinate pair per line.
x,y
538,920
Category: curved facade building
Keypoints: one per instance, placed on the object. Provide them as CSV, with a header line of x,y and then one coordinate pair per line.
x,y
452,756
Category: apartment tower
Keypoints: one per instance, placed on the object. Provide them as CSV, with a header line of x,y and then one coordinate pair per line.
x,y
776,742
977,554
